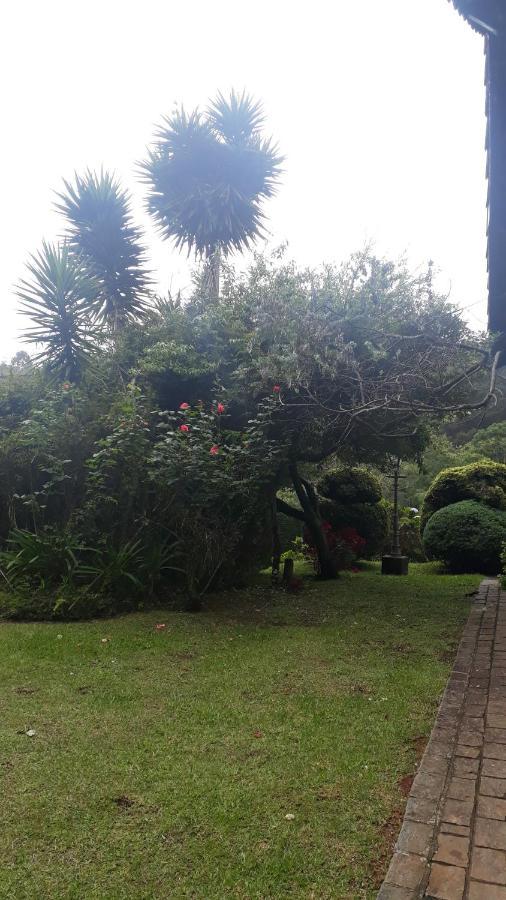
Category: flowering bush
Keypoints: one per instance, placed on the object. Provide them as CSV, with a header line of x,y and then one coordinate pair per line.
x,y
345,545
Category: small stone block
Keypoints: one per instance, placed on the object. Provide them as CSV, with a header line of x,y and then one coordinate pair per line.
x,y
490,833
452,849
406,870
427,787
480,891
446,882
461,789
394,565
492,808
489,865
461,830
493,787
494,768
496,734
466,768
415,837
421,810
494,751
469,752
458,812
394,892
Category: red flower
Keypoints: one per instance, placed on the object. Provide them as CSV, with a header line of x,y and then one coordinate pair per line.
x,y
159,626
184,428
276,388
220,409
184,406
66,385
214,450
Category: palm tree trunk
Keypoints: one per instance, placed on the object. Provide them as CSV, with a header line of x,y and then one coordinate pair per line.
x,y
212,278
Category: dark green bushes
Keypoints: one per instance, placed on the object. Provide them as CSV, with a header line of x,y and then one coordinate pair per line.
x,y
352,500
467,536
483,481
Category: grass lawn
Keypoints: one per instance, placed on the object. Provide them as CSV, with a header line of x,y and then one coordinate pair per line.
x,y
255,750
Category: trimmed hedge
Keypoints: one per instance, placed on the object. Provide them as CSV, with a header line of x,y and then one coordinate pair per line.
x,y
484,481
354,484
467,536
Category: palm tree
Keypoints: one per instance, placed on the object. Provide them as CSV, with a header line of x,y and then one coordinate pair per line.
x,y
207,176
59,297
100,228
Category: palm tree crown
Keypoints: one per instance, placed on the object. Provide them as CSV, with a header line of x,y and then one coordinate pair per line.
x,y
100,228
208,174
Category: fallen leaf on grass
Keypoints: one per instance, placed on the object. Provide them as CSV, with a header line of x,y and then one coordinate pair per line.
x,y
290,817
258,734
160,626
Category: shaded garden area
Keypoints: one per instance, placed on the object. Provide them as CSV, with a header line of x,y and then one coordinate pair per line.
x,y
257,750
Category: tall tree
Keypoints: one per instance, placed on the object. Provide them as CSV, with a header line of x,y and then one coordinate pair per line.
x,y
59,297
101,230
208,174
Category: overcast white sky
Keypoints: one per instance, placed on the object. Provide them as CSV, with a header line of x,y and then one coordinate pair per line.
x,y
377,104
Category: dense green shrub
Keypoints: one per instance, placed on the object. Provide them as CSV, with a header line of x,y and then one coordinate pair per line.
x,y
350,484
467,536
484,481
353,500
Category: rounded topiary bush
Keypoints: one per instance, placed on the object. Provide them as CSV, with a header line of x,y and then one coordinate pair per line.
x,y
467,537
353,484
484,481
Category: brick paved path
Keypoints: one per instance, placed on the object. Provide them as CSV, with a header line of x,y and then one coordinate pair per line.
x,y
452,845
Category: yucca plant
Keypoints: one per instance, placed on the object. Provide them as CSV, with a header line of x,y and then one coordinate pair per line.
x,y
100,228
59,296
207,175
114,569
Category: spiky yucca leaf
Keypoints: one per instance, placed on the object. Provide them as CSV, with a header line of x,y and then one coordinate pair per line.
x,y
58,297
207,175
100,227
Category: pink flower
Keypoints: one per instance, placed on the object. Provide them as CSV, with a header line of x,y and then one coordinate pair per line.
x,y
276,388
184,428
214,450
66,385
159,626
220,409
184,406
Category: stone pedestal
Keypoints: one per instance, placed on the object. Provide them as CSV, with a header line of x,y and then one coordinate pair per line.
x,y
394,565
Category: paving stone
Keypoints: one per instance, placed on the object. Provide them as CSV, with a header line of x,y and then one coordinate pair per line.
x,y
492,808
490,833
473,723
495,768
427,787
415,837
446,882
461,789
461,830
470,738
466,768
493,787
469,752
498,735
480,891
452,849
494,751
407,870
458,812
488,865
421,810
434,765
393,892
496,721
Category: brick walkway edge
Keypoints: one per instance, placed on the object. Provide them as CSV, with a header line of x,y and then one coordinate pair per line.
x,y
452,844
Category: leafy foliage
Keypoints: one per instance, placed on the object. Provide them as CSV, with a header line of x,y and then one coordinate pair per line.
x,y
59,298
468,536
483,481
101,232
208,173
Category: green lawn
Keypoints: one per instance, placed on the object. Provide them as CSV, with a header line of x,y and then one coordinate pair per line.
x,y
165,763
